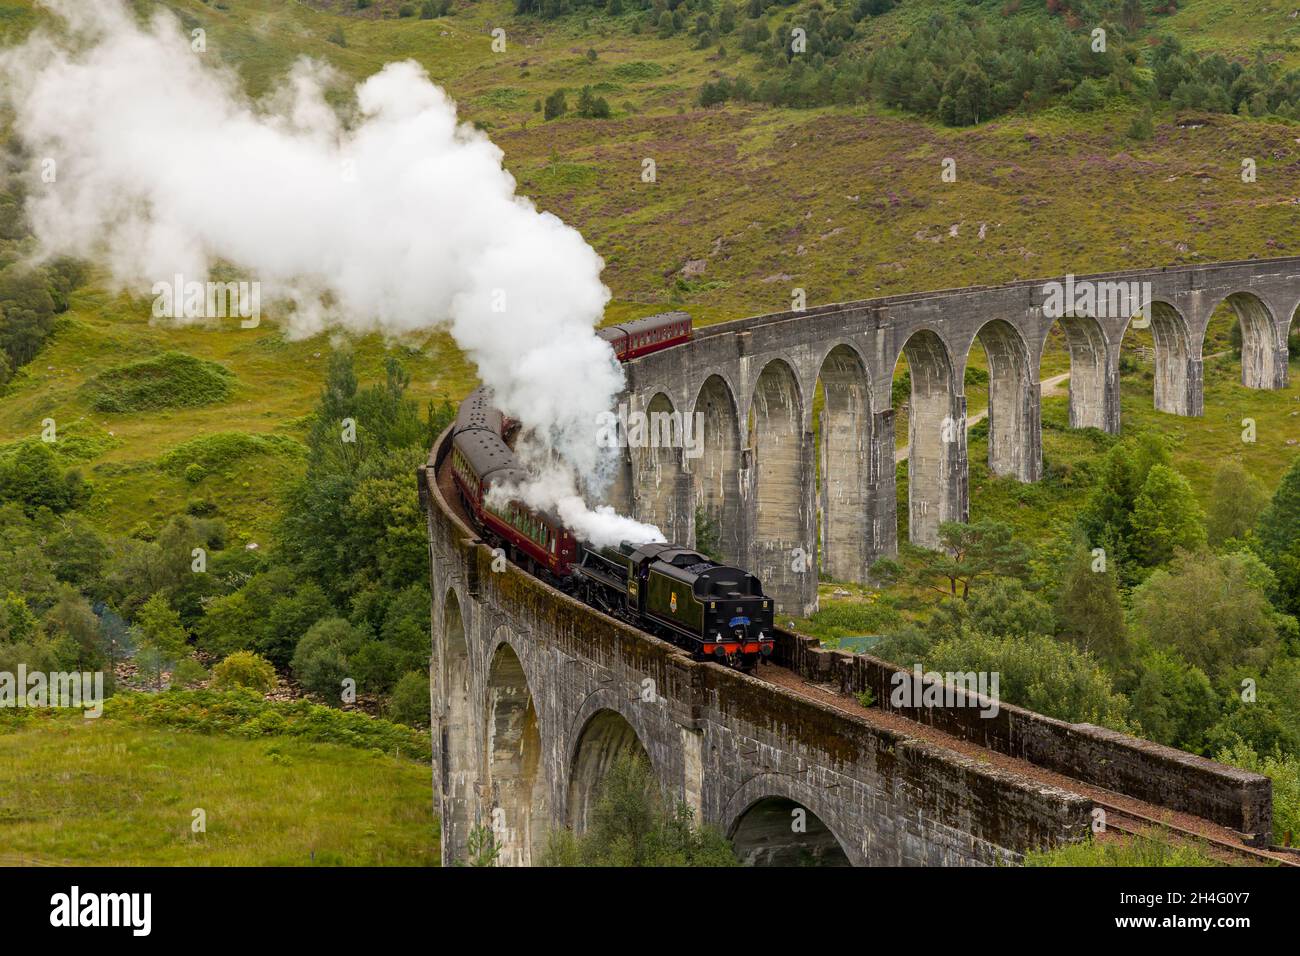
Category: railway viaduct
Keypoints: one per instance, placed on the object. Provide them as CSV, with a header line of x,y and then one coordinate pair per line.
x,y
787,503
534,695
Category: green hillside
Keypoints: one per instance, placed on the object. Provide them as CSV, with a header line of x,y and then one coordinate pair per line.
x,y
820,172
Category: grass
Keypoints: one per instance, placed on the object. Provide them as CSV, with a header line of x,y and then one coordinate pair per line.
x,y
1153,847
96,792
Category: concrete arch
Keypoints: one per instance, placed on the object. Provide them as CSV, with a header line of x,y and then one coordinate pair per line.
x,y
1178,368
784,551
1015,440
459,758
777,831
655,444
936,425
765,843
515,788
1094,400
844,460
1178,371
719,473
606,737
1263,357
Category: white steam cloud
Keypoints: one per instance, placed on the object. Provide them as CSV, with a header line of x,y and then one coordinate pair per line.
x,y
395,221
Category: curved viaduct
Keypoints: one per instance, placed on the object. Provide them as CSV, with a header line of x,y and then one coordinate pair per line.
x,y
753,380
534,695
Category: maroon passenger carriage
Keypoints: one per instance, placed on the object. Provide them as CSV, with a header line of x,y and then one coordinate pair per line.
x,y
642,336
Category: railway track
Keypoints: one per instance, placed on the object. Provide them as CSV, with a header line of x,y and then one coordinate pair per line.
x,y
1130,823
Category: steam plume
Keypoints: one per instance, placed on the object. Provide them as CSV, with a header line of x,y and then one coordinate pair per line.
x,y
397,220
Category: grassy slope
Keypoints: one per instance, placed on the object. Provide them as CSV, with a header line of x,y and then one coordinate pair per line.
x,y
88,792
844,202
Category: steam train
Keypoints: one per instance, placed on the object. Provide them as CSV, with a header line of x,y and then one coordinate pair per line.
x,y
715,611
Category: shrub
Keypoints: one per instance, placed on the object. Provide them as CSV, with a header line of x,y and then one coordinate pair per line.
x,y
188,672
324,656
406,10
32,477
222,450
410,701
242,712
1150,848
556,106
169,380
244,669
632,823
1284,771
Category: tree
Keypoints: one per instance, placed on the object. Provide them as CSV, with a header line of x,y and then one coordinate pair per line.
x,y
323,658
1037,672
410,700
160,629
72,624
1172,701
1213,610
1236,501
1088,606
318,532
1003,608
1166,517
32,477
967,96
727,17
967,552
1278,542
1087,96
556,106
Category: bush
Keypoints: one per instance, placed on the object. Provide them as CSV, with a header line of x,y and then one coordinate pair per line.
x,y
410,701
243,713
1284,771
222,450
633,824
1152,847
324,656
189,672
170,380
244,669
556,105
32,476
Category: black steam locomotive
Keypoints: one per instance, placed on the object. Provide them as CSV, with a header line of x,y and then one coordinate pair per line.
x,y
711,609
